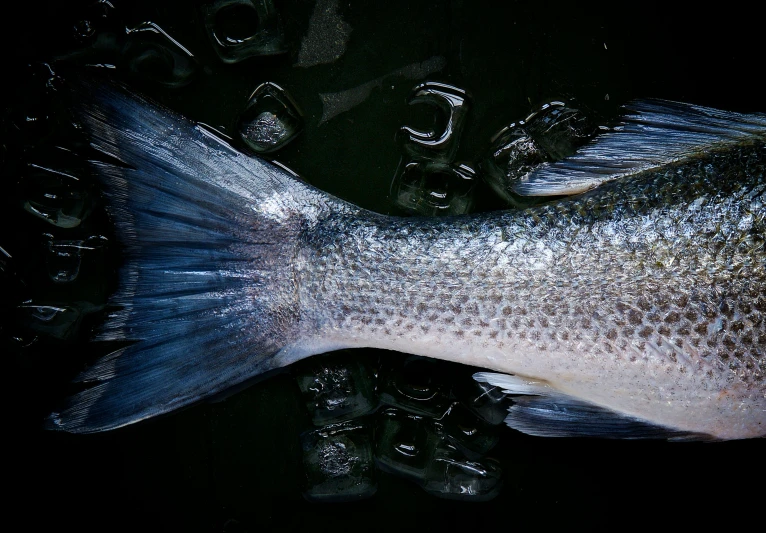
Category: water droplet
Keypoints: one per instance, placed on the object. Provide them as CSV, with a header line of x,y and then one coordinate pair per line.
x,y
239,29
270,120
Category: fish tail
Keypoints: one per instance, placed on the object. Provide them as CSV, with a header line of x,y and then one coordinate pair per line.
x,y
207,293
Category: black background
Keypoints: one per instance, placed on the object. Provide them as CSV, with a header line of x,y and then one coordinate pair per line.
x,y
235,466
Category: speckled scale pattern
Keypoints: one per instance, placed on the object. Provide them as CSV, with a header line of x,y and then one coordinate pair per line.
x,y
646,295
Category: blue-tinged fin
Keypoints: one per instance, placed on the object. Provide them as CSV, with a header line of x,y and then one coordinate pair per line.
x,y
206,296
652,133
540,410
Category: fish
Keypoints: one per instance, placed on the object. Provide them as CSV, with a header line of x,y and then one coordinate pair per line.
x,y
629,304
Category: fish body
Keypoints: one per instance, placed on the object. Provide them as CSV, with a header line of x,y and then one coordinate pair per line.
x,y
635,309
646,297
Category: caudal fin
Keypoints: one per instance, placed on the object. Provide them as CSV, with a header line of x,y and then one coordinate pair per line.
x,y
207,295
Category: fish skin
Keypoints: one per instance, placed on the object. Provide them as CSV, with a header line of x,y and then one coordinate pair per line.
x,y
646,296
642,300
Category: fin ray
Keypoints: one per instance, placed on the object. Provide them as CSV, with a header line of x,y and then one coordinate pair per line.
x,y
539,409
652,133
205,297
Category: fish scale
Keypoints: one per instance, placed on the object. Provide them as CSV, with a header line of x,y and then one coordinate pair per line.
x,y
631,305
647,289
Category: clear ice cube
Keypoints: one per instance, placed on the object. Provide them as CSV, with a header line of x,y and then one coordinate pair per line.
x,y
63,258
437,144
486,401
336,387
514,154
150,53
417,385
240,29
338,462
451,475
57,321
431,188
53,191
270,120
464,430
405,444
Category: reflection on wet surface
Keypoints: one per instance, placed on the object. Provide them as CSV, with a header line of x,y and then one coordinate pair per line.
x,y
351,71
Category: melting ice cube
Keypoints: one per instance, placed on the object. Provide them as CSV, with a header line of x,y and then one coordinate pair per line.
x,y
270,120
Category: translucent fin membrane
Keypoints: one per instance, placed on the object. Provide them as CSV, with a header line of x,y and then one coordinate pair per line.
x,y
206,296
652,133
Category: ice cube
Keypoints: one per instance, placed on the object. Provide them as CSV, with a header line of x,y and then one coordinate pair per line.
x,y
150,53
416,384
405,444
437,144
471,435
559,130
486,401
429,188
549,134
338,462
514,154
64,257
336,387
53,191
52,320
270,120
239,29
451,475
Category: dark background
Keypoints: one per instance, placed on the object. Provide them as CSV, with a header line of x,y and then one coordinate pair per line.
x,y
235,465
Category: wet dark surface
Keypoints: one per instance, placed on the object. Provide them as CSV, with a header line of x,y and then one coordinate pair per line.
x,y
236,465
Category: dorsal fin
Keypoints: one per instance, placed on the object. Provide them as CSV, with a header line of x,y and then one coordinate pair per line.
x,y
543,411
651,133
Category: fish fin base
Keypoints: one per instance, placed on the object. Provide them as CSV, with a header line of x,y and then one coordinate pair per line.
x,y
652,133
540,410
206,296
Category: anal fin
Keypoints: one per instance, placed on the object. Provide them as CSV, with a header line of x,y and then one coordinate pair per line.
x,y
540,410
